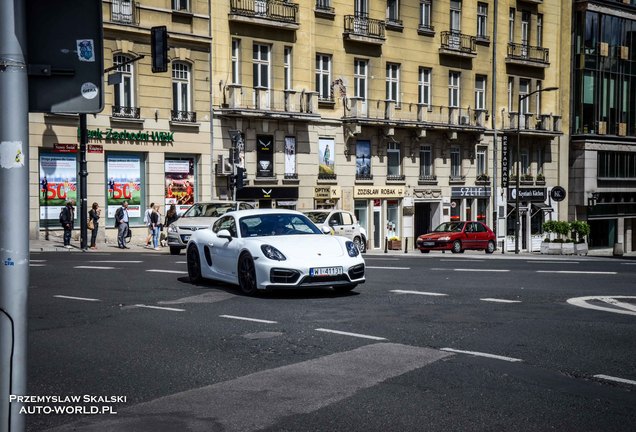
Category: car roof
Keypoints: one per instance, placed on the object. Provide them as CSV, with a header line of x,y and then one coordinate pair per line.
x,y
256,212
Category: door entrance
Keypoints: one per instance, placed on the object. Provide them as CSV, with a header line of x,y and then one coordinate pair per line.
x,y
377,234
422,219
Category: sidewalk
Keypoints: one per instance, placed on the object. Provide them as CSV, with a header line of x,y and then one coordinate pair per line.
x,y
55,243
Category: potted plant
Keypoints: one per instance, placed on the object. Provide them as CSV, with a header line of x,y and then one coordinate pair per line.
x,y
580,230
551,247
395,243
540,178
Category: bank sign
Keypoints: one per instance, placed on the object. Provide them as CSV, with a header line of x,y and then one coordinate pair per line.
x,y
140,136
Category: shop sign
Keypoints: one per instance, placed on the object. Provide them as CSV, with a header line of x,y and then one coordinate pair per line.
x,y
378,192
528,194
95,148
327,192
109,134
470,192
64,148
557,193
504,161
256,193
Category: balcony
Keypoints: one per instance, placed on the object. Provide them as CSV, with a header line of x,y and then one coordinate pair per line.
x,y
458,44
239,101
426,30
427,180
268,13
364,29
124,12
526,55
122,112
324,9
531,124
183,116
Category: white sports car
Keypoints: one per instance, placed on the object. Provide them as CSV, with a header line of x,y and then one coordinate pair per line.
x,y
263,249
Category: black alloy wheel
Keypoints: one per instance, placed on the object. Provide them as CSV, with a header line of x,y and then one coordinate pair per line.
x,y
491,247
194,264
457,247
360,244
247,274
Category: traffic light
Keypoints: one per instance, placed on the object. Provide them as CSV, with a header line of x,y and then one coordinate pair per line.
x,y
240,177
159,48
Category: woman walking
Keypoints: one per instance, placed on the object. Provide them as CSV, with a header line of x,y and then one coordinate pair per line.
x,y
93,217
155,219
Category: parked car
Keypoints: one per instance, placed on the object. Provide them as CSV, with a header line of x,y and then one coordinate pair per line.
x,y
340,222
198,216
270,248
457,237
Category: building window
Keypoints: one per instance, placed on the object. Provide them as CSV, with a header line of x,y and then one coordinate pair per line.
x,y
261,66
181,5
323,76
181,88
393,159
287,68
540,159
392,10
393,218
236,61
425,14
511,87
360,79
524,89
481,161
426,161
525,29
456,162
424,86
482,20
455,16
540,30
480,92
453,89
537,107
393,82
125,91
525,162
616,165
511,25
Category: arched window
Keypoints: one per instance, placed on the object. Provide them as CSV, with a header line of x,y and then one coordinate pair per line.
x,y
124,92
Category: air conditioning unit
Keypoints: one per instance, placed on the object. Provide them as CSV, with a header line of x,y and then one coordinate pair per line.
x,y
463,120
224,165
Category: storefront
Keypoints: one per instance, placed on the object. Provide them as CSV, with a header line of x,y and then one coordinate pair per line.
x,y
270,196
384,204
327,197
532,210
470,203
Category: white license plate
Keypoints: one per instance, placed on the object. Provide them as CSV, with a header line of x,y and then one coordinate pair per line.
x,y
325,271
428,244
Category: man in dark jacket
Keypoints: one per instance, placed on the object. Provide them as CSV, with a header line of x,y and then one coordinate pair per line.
x,y
67,217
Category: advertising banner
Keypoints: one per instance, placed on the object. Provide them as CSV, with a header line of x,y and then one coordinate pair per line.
x,y
326,154
180,187
363,158
124,184
290,156
58,183
265,155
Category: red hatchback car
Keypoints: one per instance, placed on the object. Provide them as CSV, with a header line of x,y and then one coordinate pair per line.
x,y
457,237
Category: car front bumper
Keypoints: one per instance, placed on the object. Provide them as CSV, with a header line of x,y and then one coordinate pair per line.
x,y
276,275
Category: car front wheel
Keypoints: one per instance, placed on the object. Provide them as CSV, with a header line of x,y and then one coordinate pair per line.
x,y
360,244
194,264
457,247
247,274
491,247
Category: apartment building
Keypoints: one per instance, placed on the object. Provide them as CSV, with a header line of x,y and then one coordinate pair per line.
x,y
408,113
151,143
603,130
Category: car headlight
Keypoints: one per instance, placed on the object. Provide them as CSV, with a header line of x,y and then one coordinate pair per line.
x,y
447,238
272,253
352,249
172,228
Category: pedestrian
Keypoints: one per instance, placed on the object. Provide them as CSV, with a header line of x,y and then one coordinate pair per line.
x,y
148,223
93,216
171,216
121,222
67,217
155,221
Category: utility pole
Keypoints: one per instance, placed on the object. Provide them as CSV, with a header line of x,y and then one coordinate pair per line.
x,y
14,216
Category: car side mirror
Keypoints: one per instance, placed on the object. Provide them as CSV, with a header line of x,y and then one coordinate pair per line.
x,y
225,234
325,230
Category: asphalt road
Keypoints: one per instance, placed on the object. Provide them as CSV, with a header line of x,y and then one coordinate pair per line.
x,y
435,342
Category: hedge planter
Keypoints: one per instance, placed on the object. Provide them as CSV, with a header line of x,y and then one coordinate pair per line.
x,y
580,248
554,248
545,248
567,248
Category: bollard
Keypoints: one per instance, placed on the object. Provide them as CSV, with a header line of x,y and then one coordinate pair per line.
x,y
406,245
386,244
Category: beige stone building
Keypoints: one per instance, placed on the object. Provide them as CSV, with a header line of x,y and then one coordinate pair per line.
x,y
391,109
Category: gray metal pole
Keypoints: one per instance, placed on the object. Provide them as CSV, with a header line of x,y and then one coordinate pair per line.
x,y
14,216
518,182
83,174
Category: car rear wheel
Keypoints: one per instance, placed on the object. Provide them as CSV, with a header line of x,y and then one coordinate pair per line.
x,y
457,247
491,247
360,244
344,288
194,264
175,250
247,274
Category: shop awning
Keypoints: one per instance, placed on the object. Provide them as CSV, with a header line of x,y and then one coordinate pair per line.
x,y
541,207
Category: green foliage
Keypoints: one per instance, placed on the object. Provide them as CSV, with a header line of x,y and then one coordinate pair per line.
x,y
580,230
549,226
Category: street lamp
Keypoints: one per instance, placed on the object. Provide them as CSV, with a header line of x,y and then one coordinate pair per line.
x,y
518,221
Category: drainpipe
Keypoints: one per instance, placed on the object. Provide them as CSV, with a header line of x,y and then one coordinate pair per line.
x,y
212,173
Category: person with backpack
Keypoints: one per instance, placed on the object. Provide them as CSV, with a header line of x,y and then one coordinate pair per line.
x,y
67,217
121,222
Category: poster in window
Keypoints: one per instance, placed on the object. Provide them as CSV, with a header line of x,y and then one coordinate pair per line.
x,y
58,183
179,183
290,156
265,155
326,153
124,184
363,158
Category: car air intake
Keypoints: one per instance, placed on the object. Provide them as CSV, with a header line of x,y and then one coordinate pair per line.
x,y
283,276
356,272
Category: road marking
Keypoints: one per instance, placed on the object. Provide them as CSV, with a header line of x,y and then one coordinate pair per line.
x,y
94,267
545,261
350,334
309,386
500,300
380,258
249,319
463,260
389,268
116,262
471,270
37,261
481,354
180,262
577,272
158,307
628,308
37,265
628,263
209,297
166,271
418,292
615,379
77,298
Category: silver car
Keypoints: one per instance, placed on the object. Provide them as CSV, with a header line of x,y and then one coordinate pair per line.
x,y
199,216
341,223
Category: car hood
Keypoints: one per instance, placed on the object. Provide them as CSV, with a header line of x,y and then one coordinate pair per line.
x,y
437,235
306,246
198,222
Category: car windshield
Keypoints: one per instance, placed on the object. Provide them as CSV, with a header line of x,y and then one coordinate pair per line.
x,y
276,224
450,227
317,217
208,210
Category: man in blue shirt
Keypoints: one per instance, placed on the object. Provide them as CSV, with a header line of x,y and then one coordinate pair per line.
x,y
121,222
